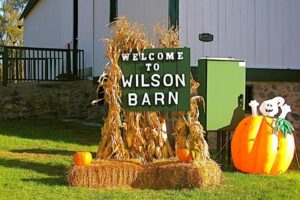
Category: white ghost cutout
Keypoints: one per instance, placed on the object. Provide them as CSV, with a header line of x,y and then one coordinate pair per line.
x,y
270,107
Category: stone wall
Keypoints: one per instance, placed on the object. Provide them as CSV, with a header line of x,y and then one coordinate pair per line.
x,y
49,100
290,91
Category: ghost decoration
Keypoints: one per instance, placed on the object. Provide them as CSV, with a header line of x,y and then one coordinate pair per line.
x,y
270,108
100,90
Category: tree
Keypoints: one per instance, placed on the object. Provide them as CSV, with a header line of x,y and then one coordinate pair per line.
x,y
11,27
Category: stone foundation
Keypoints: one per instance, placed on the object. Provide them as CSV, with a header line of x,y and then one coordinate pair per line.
x,y
49,100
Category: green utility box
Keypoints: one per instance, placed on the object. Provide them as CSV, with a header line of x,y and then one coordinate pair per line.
x,y
222,84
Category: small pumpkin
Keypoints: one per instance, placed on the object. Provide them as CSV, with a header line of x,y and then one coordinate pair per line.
x,y
184,155
263,145
82,158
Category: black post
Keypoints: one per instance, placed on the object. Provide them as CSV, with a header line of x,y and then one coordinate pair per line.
x,y
5,66
68,63
75,39
113,10
229,147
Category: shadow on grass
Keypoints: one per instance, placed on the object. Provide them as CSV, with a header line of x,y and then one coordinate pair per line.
x,y
51,181
49,151
47,168
55,130
45,151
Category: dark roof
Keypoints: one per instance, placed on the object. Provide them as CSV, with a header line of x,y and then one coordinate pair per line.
x,y
28,8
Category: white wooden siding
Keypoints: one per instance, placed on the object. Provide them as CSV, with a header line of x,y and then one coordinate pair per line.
x,y
142,11
49,24
145,12
264,33
101,30
85,30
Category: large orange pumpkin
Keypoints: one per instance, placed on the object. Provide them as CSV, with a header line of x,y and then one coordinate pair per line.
x,y
257,147
184,155
82,158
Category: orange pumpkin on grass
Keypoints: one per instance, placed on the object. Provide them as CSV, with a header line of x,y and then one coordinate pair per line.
x,y
263,145
184,155
82,158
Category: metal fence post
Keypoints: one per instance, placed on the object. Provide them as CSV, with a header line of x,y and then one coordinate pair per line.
x,y
5,66
75,63
68,63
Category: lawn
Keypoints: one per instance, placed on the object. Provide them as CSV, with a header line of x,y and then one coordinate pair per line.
x,y
35,156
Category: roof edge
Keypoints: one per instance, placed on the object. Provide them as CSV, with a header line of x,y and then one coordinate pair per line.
x,y
30,5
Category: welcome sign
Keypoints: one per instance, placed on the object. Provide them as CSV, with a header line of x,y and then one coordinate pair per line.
x,y
156,80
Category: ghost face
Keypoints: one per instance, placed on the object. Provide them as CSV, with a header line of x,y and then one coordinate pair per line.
x,y
103,79
270,107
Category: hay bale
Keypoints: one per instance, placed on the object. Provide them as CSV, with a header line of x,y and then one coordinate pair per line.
x,y
104,174
161,175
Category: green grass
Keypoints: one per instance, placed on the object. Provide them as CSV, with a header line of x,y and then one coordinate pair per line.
x,y
35,156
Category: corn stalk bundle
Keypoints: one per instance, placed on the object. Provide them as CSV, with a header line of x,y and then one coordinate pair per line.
x,y
126,37
188,122
139,135
134,136
158,144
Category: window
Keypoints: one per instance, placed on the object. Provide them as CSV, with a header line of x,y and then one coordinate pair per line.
x,y
113,10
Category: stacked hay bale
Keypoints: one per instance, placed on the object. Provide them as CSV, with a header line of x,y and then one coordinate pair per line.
x,y
165,174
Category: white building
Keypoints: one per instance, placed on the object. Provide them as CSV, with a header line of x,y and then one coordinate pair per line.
x,y
264,33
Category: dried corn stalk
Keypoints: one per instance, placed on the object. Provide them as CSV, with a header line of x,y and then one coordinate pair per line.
x,y
165,38
141,135
126,37
195,141
134,136
158,144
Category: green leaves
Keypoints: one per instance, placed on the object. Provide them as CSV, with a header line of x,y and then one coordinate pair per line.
x,y
11,28
284,126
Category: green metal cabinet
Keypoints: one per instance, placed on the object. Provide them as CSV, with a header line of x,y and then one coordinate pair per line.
x,y
223,88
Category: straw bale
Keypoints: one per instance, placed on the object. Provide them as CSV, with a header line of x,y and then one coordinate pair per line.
x,y
165,174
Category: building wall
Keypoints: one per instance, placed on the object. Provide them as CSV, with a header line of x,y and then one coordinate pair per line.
x,y
142,11
85,30
145,12
49,24
101,30
264,33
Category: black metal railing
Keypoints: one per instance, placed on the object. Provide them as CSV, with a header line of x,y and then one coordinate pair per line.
x,y
40,64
